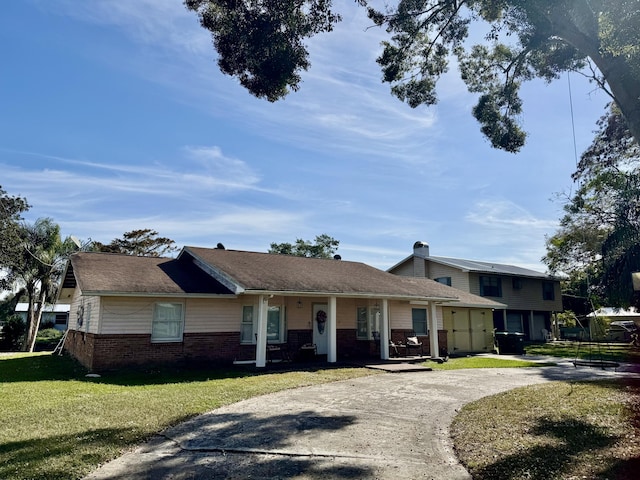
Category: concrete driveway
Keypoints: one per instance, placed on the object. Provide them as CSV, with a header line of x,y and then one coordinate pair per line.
x,y
387,426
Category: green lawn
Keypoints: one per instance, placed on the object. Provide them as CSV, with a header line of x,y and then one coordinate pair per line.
x,y
617,352
55,423
558,430
482,362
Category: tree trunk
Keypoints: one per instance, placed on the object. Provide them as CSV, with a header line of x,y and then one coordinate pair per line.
x,y
578,26
34,315
626,90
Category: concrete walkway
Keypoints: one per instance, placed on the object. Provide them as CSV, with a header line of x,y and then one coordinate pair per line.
x,y
386,426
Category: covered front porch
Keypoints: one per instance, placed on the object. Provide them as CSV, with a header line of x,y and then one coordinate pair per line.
x,y
337,328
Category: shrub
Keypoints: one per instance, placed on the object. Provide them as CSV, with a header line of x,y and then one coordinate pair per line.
x,y
47,339
47,324
13,332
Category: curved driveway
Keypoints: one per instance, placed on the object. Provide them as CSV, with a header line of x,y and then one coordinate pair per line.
x,y
388,426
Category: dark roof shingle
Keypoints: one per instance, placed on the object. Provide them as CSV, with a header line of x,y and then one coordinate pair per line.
x,y
205,271
127,274
288,273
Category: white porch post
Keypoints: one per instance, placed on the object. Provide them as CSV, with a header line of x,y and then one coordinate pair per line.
x,y
261,340
332,354
433,331
384,331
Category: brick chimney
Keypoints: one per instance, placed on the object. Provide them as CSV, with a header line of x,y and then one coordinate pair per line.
x,y
420,253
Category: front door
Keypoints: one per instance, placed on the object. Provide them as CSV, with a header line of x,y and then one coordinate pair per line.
x,y
319,325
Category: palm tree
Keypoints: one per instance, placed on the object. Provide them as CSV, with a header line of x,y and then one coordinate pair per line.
x,y
38,270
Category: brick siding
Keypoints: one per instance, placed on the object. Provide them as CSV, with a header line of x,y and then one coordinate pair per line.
x,y
107,352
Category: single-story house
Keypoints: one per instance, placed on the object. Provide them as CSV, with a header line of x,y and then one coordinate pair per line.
x,y
56,316
218,305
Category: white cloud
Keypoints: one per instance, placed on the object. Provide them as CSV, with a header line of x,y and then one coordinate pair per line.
x,y
201,169
165,23
341,96
235,225
505,214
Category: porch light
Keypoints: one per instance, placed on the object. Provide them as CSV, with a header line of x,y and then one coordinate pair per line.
x,y
299,303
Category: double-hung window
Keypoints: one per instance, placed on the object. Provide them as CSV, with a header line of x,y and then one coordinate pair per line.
x,y
168,322
419,320
490,286
367,322
548,292
275,324
247,333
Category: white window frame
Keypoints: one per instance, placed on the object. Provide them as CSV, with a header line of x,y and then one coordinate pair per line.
x,y
426,322
244,322
247,320
373,319
280,338
157,321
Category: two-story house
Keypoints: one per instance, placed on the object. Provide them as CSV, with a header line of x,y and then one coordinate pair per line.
x,y
531,297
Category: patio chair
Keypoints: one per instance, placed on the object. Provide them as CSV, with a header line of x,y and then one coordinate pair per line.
x,y
413,343
393,349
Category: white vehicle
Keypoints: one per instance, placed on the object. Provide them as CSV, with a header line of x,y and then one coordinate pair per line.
x,y
622,331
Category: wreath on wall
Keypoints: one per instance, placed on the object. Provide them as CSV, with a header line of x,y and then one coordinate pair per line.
x,y
321,320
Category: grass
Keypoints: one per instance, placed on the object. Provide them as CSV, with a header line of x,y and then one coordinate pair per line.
x,y
556,430
483,362
58,424
617,352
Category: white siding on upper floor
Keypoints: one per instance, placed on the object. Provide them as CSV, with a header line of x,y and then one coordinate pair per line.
x,y
405,269
459,279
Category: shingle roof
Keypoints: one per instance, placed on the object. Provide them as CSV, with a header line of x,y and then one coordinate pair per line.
x,y
126,274
287,273
205,271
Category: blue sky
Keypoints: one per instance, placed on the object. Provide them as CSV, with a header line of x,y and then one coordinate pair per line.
x,y
114,117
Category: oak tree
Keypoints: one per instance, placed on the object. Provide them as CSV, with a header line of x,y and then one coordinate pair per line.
x,y
144,242
598,242
261,43
11,208
324,246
